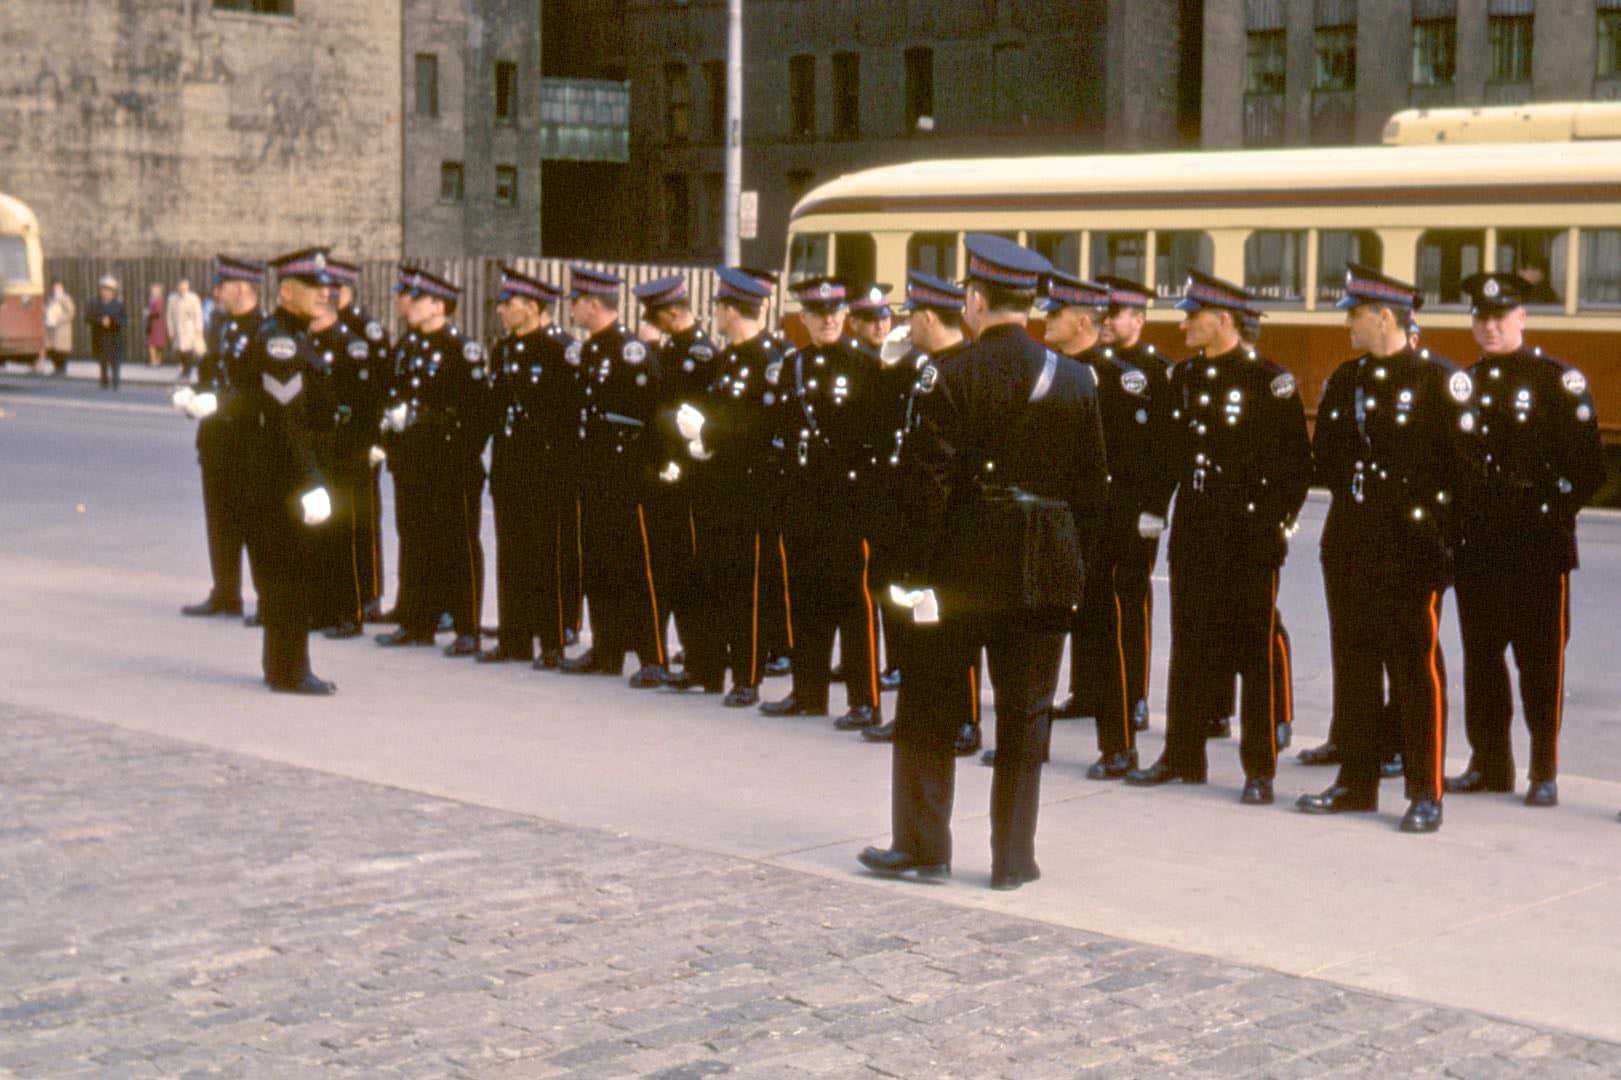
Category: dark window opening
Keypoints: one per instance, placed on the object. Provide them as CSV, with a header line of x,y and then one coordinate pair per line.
x,y
846,95
506,91
715,98
920,89
1510,40
451,187
802,96
1435,52
256,7
677,221
677,103
1445,258
855,257
427,84
506,185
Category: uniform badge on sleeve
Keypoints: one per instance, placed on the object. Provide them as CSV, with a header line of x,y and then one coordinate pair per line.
x,y
1460,386
634,353
1283,386
281,348
1574,381
1134,382
358,350
701,352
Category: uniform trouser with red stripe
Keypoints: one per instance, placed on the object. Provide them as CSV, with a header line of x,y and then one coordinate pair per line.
x,y
1503,605
1378,621
830,587
721,629
441,553
278,549
342,547
1223,619
1133,584
672,540
224,508
1024,662
534,525
626,610
1097,674
776,616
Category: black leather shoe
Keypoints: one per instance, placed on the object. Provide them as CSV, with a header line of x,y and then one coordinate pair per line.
x,y
343,631
1071,709
548,660
1113,766
1339,799
968,740
1257,792
776,668
210,607
1139,715
1391,767
464,645
1423,816
1286,735
648,677
1160,773
887,862
1474,781
499,655
309,686
402,636
739,697
253,620
1219,729
859,719
792,706
584,664
684,681
1326,754
1543,793
988,757
881,734
374,613
1008,880
889,681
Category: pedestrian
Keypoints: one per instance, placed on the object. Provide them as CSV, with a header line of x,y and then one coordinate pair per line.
x,y
106,317
184,313
1006,482
60,315
157,326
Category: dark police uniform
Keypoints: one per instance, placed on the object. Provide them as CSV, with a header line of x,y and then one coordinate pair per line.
x,y
1241,463
388,439
1394,446
534,473
1007,477
367,518
1543,461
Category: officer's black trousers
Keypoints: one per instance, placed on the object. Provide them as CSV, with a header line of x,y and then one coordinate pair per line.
x,y
776,615
1223,620
534,529
223,513
1503,604
441,553
830,589
1378,620
626,610
1391,735
1133,584
344,570
1024,662
278,550
957,692
671,536
1097,673
722,628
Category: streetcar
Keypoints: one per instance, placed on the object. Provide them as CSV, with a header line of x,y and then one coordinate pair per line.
x,y
22,284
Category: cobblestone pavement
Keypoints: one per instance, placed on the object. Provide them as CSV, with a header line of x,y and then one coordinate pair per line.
x,y
171,910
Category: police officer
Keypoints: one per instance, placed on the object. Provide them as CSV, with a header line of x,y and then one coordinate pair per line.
x,y
776,628
387,439
1543,461
835,444
368,507
281,406
1007,476
1394,447
437,411
621,384
1241,460
871,317
213,402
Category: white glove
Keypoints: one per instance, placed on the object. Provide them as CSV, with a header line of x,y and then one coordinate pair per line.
x,y
182,399
671,473
377,455
1150,526
203,406
317,506
698,451
394,418
922,603
895,346
689,422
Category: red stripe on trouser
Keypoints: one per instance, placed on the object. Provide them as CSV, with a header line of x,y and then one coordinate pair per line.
x,y
872,621
652,592
1438,708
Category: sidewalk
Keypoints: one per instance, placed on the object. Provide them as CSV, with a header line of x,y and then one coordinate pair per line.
x,y
89,371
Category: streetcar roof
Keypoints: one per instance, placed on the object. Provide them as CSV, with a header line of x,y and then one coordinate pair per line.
x,y
1521,171
15,217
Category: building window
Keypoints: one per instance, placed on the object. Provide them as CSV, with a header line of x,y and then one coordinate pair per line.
x,y
1609,43
506,185
856,259
715,98
1445,258
427,82
677,222
1008,85
714,219
1538,256
677,103
920,89
1062,249
1336,58
1435,52
1264,62
846,95
799,182
256,7
1275,266
1601,267
802,96
1176,253
807,256
451,181
1510,37
1336,250
506,91
933,253
1121,254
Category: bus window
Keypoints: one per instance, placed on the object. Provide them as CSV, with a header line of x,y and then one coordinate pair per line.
x,y
1335,250
1445,258
13,261
856,259
1538,256
1175,253
933,253
807,256
1062,249
1601,268
1275,265
1120,254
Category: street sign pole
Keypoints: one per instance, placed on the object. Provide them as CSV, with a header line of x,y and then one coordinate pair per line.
x,y
734,130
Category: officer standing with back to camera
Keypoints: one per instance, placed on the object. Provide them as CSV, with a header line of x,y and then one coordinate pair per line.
x,y
1543,461
1241,460
1007,483
534,465
1394,445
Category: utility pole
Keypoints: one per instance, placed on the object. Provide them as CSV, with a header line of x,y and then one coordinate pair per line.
x,y
734,130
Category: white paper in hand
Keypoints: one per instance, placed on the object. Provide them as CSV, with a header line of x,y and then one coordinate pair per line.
x,y
203,406
394,419
896,345
923,604
689,422
317,506
698,451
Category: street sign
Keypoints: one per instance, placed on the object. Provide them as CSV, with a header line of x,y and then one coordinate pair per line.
x,y
748,215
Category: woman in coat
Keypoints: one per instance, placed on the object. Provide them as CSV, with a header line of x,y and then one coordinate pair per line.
x,y
60,313
157,326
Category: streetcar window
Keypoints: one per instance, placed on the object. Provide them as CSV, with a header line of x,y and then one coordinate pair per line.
x,y
1175,253
1445,258
1538,256
856,259
13,261
1275,265
1335,250
1601,267
1120,254
933,253
1062,249
807,256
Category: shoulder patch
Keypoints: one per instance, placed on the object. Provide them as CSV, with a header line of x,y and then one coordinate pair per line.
x,y
472,352
572,353
374,331
281,347
1460,386
927,378
634,352
358,350
1283,386
1574,381
1134,382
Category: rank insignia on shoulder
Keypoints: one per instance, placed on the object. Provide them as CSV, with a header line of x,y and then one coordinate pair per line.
x,y
1283,386
1134,382
473,352
1460,386
283,392
927,377
634,352
1574,381
374,331
572,353
281,348
358,350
